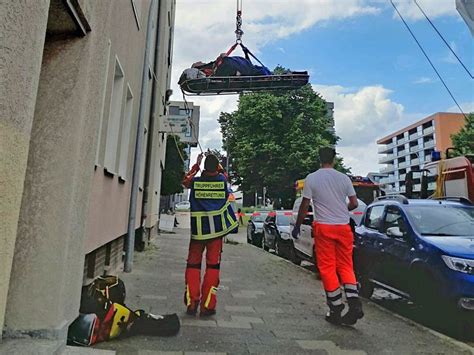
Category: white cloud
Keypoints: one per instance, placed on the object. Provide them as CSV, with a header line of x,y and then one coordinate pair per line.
x,y
361,117
432,8
424,80
205,28
467,107
450,57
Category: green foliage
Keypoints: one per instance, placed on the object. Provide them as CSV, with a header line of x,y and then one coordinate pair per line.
x,y
174,167
463,141
274,138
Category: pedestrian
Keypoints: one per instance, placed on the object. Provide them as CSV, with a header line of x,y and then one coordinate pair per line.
x,y
212,217
240,214
333,236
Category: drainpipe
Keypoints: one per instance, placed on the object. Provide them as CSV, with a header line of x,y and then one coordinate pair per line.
x,y
153,108
130,243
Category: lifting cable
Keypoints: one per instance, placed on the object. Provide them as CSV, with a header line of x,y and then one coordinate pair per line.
x,y
428,58
445,42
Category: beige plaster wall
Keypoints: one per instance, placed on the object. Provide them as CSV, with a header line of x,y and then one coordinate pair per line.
x,y
49,251
22,28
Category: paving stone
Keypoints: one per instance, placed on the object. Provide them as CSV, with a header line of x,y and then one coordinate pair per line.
x,y
330,347
243,309
233,324
198,322
202,353
288,300
153,297
247,319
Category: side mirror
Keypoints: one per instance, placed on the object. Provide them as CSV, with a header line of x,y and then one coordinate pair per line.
x,y
394,232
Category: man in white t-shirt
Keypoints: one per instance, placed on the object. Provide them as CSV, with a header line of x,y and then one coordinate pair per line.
x,y
333,238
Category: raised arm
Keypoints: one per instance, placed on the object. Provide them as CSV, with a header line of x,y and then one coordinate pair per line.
x,y
188,178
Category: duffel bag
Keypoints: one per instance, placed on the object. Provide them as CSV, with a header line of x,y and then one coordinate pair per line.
x,y
155,325
84,330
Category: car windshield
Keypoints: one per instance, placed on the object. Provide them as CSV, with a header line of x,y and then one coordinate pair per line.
x,y
259,217
283,220
442,220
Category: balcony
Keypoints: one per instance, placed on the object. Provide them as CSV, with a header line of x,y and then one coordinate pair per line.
x,y
432,186
402,141
429,144
415,136
402,177
386,159
415,148
428,130
402,153
415,162
402,165
427,158
387,169
386,148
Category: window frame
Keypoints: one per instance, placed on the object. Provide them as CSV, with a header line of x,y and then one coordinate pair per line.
x,y
367,215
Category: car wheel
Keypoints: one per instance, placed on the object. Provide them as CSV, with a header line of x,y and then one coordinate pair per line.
x,y
264,244
294,258
278,246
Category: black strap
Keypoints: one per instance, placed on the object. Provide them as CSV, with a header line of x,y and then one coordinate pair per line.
x,y
193,266
214,266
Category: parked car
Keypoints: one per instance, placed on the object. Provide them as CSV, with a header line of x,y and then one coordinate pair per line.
x,y
183,205
276,232
255,228
419,249
303,248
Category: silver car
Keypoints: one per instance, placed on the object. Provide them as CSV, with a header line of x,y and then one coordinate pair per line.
x,y
303,247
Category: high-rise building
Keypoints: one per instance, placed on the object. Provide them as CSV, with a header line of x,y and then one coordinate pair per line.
x,y
410,147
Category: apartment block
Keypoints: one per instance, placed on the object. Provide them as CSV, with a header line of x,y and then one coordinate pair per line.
x,y
410,148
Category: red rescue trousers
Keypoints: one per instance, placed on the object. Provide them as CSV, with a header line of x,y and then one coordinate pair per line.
x,y
205,295
334,244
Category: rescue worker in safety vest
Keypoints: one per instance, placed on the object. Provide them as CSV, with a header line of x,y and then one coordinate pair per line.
x,y
212,218
333,238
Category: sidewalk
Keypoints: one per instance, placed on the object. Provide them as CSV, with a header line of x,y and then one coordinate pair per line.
x,y
265,305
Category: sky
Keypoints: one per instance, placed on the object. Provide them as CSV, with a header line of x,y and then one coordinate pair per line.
x,y
358,53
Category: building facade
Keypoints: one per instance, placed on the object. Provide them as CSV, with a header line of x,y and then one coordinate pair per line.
x,y
72,94
410,148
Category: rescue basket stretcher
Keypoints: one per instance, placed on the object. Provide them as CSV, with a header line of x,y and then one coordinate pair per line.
x,y
217,85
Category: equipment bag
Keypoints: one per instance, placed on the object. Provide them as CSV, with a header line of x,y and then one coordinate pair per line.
x,y
103,290
155,325
84,330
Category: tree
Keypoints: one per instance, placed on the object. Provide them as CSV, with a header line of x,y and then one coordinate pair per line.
x,y
274,138
174,167
463,141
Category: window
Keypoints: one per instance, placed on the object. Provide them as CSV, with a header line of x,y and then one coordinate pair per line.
x,y
126,130
174,110
99,152
137,10
374,216
113,126
394,218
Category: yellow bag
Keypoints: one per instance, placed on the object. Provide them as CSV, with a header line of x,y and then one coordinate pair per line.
x,y
122,320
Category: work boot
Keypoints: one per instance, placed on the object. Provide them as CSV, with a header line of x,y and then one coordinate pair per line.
x,y
207,312
192,309
354,313
334,314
